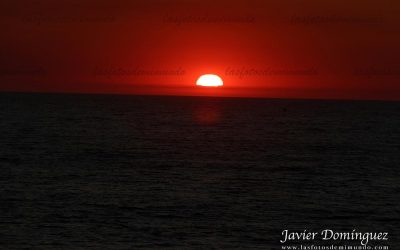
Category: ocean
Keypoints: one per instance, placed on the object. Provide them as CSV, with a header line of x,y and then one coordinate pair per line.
x,y
150,172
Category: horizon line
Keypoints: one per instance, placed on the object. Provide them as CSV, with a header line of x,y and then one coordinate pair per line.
x,y
200,96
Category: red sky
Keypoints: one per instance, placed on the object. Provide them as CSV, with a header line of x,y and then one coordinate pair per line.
x,y
281,49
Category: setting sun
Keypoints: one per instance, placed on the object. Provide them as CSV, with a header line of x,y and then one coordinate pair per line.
x,y
209,80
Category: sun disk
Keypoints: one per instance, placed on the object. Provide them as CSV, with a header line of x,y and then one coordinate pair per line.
x,y
209,80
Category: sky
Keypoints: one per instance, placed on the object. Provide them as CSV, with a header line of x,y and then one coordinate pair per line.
x,y
331,49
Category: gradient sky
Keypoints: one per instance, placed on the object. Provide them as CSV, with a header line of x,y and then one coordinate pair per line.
x,y
281,49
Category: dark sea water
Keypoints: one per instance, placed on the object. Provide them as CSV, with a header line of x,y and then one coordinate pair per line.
x,y
131,172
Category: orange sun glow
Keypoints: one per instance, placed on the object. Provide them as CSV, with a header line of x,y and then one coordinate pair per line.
x,y
209,80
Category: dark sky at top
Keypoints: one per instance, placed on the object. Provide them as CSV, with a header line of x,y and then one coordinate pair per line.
x,y
301,49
